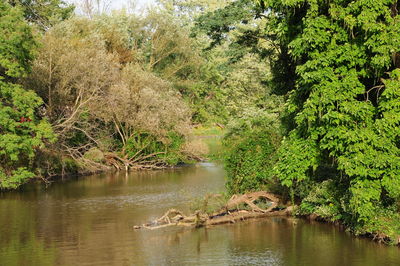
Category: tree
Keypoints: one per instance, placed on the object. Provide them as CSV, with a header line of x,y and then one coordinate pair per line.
x,y
44,13
72,71
143,102
159,43
218,23
337,64
101,97
344,101
188,10
91,8
21,130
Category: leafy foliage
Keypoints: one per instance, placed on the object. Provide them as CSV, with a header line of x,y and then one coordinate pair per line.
x,y
344,99
323,201
337,64
218,23
44,13
251,145
17,43
167,150
103,91
21,131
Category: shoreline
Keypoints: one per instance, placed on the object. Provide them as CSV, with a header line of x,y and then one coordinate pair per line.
x,y
374,237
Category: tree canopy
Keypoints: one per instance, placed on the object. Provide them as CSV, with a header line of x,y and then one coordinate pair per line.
x,y
44,13
337,65
21,131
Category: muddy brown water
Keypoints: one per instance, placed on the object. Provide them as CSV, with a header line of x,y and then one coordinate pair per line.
x,y
88,221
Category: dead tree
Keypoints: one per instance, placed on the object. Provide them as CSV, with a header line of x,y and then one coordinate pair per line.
x,y
238,208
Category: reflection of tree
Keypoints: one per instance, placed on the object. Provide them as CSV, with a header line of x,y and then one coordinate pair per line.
x,y
20,243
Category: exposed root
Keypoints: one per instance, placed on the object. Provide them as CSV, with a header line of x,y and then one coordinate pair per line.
x,y
236,209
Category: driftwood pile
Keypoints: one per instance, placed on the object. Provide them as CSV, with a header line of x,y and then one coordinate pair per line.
x,y
238,208
136,162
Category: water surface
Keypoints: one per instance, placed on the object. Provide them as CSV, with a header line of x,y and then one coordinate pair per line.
x,y
88,221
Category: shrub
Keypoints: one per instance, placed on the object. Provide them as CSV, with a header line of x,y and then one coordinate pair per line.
x,y
251,145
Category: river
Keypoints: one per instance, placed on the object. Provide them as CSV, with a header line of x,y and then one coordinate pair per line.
x,y
89,220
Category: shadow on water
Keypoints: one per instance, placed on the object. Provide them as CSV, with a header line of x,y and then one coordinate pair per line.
x,y
89,221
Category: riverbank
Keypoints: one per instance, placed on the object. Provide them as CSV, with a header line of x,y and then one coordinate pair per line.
x,y
54,167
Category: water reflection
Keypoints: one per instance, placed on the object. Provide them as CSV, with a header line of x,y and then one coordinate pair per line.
x,y
89,222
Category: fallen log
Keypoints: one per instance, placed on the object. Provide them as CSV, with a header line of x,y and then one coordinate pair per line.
x,y
246,215
249,198
233,211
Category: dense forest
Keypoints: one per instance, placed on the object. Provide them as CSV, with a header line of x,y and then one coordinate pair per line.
x,y
308,93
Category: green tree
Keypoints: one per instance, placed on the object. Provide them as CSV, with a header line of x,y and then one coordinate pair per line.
x,y
344,99
21,131
337,63
44,13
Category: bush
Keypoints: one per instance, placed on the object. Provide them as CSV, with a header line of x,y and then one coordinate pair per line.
x,y
147,147
251,145
322,200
